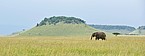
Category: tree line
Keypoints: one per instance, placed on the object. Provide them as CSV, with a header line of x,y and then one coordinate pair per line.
x,y
56,19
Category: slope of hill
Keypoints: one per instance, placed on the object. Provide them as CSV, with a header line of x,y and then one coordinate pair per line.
x,y
60,30
112,28
139,31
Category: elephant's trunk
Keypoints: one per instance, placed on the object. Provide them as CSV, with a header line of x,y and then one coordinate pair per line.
x,y
91,37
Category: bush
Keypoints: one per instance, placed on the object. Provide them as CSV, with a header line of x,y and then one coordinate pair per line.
x,y
116,33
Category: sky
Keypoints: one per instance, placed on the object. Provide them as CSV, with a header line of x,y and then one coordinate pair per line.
x,y
16,15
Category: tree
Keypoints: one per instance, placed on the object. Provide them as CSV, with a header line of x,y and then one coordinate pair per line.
x,y
42,23
37,25
116,33
23,29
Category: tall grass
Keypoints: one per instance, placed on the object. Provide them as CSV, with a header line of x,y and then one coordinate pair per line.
x,y
72,46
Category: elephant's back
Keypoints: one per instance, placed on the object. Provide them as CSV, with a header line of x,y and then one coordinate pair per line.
x,y
101,34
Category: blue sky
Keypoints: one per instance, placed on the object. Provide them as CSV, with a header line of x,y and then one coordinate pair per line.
x,y
16,15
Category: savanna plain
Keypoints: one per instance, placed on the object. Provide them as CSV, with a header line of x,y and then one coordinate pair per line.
x,y
72,46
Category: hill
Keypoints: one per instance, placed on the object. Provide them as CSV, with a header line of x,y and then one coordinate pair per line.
x,y
60,26
60,30
139,31
113,28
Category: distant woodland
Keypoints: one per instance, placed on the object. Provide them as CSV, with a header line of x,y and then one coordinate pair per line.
x,y
57,19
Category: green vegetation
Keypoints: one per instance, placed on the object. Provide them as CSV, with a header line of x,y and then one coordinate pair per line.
x,y
141,27
70,36
71,26
57,19
116,33
139,31
112,29
60,30
72,46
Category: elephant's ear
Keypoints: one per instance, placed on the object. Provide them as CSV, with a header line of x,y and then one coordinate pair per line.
x,y
96,33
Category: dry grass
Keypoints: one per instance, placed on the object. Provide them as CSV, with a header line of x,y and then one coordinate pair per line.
x,y
72,46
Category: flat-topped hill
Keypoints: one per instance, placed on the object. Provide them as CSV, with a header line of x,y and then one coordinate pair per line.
x,y
60,26
115,28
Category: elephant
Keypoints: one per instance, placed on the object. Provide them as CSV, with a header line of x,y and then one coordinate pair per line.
x,y
99,35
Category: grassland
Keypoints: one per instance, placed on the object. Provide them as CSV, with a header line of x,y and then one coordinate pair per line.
x,y
60,30
72,46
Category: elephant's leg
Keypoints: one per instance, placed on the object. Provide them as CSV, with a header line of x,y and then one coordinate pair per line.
x,y
103,39
97,38
91,37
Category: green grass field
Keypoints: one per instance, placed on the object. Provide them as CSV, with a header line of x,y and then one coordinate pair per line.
x,y
61,30
72,46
